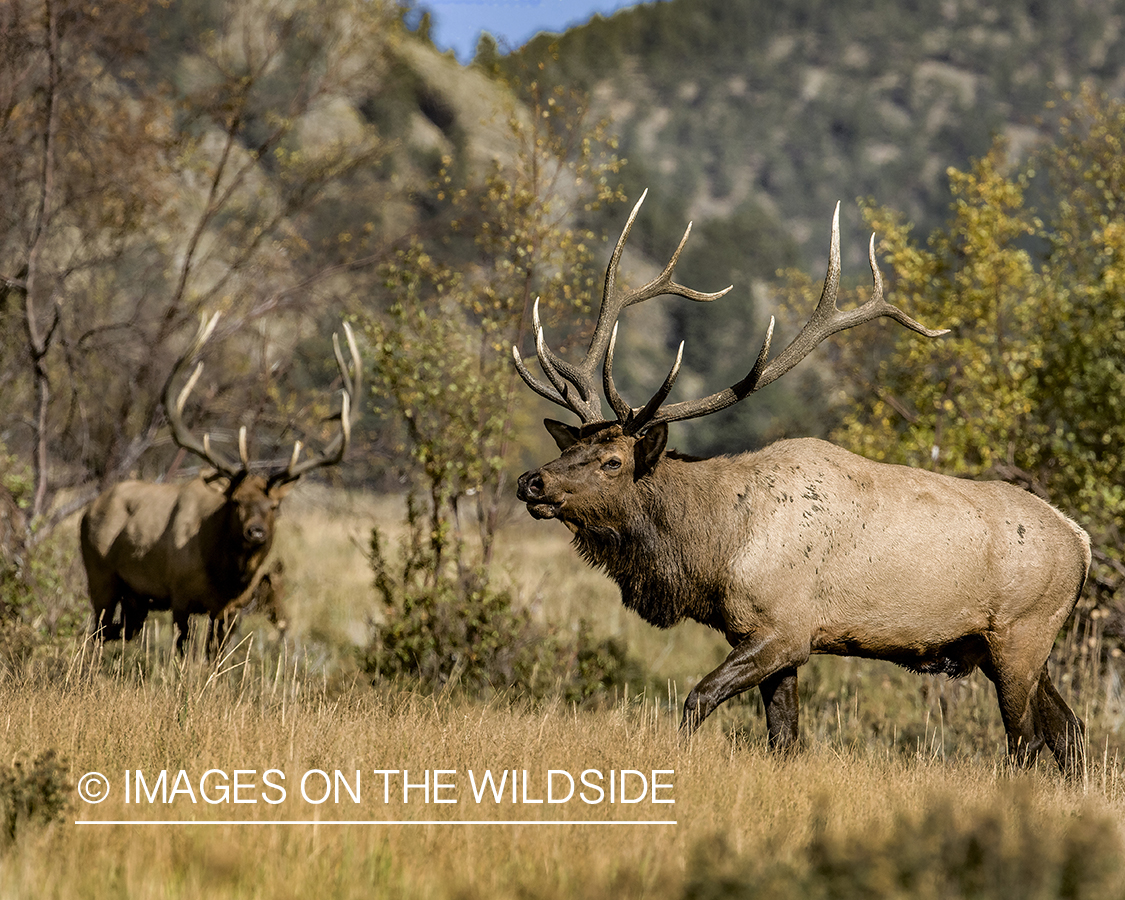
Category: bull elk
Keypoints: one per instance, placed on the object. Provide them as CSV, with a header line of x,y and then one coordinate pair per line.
x,y
804,547
196,547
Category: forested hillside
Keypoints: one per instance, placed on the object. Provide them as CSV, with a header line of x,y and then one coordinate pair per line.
x,y
729,105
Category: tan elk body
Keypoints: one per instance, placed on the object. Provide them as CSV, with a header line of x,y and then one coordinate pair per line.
x,y
804,547
196,547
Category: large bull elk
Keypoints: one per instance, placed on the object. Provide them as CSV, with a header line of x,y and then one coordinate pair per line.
x,y
196,547
803,547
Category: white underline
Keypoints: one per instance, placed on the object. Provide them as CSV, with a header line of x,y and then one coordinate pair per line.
x,y
373,822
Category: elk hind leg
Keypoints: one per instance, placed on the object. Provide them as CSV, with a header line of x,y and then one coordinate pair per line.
x,y
1021,722
1016,674
1063,731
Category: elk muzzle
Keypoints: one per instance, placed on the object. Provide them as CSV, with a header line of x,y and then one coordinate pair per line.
x,y
532,490
255,534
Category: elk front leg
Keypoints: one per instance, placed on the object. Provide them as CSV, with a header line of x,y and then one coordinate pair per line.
x,y
182,621
105,588
218,630
766,658
134,612
779,694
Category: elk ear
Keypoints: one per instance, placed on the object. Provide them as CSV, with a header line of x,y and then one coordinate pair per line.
x,y
277,492
648,449
566,436
218,482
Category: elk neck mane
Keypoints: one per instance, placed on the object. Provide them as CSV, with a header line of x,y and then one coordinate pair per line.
x,y
658,548
232,567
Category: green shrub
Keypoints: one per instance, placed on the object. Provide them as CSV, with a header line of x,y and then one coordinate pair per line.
x,y
32,792
448,627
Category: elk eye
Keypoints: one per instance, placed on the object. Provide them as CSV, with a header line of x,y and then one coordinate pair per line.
x,y
612,464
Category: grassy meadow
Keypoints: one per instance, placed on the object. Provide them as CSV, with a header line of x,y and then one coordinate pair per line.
x,y
900,789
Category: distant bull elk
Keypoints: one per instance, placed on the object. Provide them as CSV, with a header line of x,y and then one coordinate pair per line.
x,y
803,547
196,547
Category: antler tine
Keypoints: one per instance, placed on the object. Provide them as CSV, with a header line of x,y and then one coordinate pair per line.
x,y
634,420
585,405
296,454
582,374
826,320
534,383
621,409
243,451
640,420
613,305
889,310
352,388
543,353
174,406
663,283
574,385
187,388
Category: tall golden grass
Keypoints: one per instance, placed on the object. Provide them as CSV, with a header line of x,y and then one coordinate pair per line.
x,y
900,790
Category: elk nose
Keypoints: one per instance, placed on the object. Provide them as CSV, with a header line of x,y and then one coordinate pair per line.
x,y
256,534
530,486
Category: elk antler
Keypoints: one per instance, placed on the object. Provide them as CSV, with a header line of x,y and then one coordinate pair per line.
x,y
174,408
827,319
338,446
333,453
575,386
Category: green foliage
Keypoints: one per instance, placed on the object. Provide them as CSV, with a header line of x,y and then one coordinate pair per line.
x,y
34,792
962,402
18,641
445,630
36,594
42,592
16,488
1082,380
429,375
929,854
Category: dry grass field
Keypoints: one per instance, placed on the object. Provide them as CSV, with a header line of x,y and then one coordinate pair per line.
x,y
900,789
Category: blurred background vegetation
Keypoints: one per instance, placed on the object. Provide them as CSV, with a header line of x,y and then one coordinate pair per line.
x,y
292,163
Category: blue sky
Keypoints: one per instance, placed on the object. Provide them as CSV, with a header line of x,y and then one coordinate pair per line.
x,y
457,24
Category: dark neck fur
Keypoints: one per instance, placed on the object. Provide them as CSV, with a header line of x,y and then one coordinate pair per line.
x,y
649,555
232,564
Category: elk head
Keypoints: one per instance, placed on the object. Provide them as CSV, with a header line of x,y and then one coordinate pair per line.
x,y
603,458
253,498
